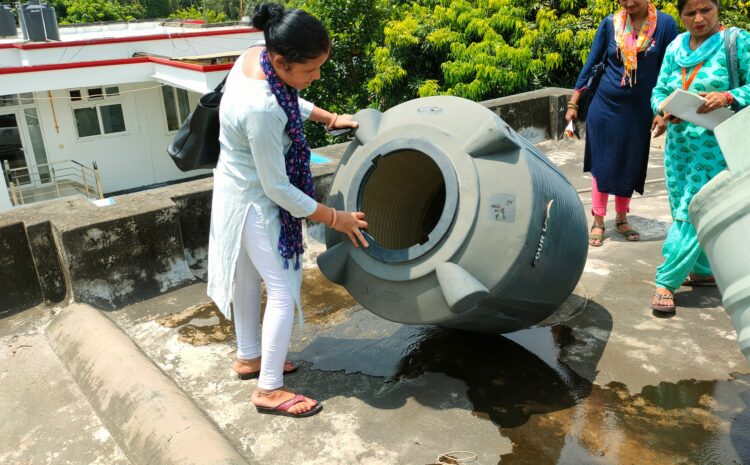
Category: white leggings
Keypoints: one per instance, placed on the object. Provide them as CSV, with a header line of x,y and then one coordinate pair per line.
x,y
257,259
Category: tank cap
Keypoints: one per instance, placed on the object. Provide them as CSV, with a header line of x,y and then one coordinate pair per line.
x,y
430,110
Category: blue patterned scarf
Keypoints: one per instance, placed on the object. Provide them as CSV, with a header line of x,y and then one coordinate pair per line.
x,y
297,162
687,57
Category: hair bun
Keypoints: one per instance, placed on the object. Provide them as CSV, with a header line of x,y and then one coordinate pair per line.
x,y
266,14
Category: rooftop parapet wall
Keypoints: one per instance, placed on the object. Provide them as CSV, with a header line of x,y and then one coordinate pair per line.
x,y
537,115
19,285
147,244
155,241
107,257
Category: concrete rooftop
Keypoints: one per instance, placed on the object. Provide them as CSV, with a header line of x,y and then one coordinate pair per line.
x,y
602,382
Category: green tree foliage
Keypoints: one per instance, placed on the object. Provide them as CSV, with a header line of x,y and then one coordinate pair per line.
x,y
192,12
158,8
87,11
230,8
356,27
488,48
90,11
737,13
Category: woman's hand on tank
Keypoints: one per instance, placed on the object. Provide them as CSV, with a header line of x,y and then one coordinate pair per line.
x,y
351,223
571,115
343,122
340,124
658,126
714,101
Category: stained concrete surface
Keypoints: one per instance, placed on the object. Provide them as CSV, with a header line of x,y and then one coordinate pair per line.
x,y
148,415
605,382
143,245
44,417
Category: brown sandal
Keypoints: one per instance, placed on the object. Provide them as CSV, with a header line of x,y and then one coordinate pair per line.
x,y
628,233
665,309
596,236
699,281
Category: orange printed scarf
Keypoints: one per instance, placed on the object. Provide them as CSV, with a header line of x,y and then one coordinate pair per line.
x,y
628,44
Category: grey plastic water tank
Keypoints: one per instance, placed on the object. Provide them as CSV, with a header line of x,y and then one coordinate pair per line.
x,y
471,227
7,22
38,21
720,213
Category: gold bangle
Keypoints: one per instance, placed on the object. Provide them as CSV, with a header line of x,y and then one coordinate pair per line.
x,y
333,217
332,122
572,106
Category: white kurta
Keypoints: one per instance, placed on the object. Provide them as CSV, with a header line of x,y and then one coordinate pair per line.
x,y
251,172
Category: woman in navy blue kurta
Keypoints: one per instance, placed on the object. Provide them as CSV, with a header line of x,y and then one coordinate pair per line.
x,y
620,120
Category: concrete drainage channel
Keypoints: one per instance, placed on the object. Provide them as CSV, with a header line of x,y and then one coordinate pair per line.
x,y
149,416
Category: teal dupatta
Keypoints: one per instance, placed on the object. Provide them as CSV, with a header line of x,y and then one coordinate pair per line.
x,y
687,58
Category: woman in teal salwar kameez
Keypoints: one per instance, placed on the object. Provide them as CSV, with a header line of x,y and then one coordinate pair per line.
x,y
695,61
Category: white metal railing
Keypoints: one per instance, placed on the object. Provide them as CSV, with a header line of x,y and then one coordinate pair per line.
x,y
54,180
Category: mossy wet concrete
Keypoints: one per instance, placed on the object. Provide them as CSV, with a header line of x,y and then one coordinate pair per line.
x,y
144,245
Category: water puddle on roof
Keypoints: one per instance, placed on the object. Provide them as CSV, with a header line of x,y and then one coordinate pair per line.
x,y
554,416
204,324
688,422
522,384
323,301
533,385
200,324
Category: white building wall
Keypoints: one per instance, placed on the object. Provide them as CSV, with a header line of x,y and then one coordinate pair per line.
x,y
126,160
9,57
151,115
4,196
137,157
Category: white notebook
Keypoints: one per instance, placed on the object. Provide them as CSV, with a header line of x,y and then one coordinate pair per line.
x,y
684,104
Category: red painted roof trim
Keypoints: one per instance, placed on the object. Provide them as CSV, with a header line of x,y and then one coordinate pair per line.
x,y
80,64
116,40
191,66
117,62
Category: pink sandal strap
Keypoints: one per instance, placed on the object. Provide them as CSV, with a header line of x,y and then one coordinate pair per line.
x,y
285,406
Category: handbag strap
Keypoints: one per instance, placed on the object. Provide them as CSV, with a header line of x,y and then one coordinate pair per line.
x,y
221,84
730,47
609,36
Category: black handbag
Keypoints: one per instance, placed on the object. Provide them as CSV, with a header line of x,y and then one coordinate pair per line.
x,y
587,94
588,91
196,145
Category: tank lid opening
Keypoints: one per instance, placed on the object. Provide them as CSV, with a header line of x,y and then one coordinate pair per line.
x,y
403,195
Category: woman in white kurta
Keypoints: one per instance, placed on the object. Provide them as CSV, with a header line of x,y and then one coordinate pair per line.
x,y
257,189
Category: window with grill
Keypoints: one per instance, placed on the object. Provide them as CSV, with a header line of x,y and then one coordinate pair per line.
x,y
99,115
